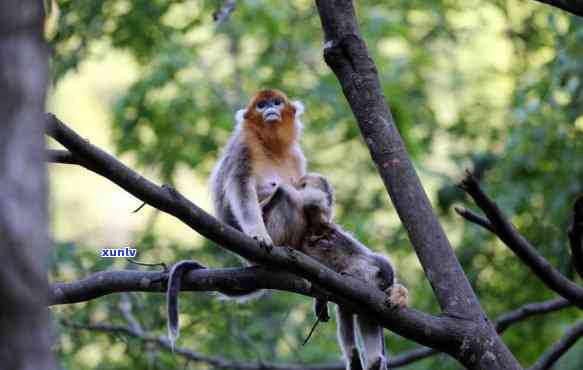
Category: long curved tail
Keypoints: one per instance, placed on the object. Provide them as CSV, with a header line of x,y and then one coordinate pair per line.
x,y
174,282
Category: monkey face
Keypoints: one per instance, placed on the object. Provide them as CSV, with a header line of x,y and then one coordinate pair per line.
x,y
270,109
270,106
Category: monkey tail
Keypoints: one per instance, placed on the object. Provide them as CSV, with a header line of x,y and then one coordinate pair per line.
x,y
174,282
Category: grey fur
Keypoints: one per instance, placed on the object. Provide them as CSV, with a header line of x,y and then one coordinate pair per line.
x,y
295,216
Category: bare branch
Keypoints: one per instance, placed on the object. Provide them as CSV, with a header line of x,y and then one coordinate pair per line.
x,y
346,53
552,355
520,246
571,6
475,218
505,320
62,156
107,282
576,236
502,323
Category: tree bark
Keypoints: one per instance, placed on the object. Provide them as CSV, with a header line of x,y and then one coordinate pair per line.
x,y
346,53
24,320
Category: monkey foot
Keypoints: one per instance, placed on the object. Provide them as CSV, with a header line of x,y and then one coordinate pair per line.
x,y
398,296
264,245
379,364
354,361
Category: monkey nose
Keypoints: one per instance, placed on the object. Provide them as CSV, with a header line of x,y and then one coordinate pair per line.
x,y
271,114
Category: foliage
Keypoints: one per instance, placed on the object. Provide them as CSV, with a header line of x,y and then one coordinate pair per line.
x,y
490,85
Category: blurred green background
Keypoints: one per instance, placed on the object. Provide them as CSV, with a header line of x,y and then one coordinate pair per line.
x,y
494,86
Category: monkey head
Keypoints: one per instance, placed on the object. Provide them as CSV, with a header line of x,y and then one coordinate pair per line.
x,y
318,195
270,107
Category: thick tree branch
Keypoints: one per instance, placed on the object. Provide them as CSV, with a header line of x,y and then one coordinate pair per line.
x,y
444,333
520,246
571,6
108,282
346,53
576,237
245,278
552,355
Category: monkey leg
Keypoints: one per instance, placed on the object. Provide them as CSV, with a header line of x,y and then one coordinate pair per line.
x,y
347,339
373,343
321,309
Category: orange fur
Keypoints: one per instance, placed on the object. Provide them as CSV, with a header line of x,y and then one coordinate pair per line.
x,y
272,143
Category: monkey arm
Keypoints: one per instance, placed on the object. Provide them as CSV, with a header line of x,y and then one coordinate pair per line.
x,y
244,203
386,274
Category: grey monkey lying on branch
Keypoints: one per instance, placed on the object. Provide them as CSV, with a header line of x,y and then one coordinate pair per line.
x,y
300,216
306,209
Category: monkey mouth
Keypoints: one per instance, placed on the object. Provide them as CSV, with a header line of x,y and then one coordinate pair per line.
x,y
271,115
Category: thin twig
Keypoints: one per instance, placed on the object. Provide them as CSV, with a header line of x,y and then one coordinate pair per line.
x,y
552,355
520,246
475,218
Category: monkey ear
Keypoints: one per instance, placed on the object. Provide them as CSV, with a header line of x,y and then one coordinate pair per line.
x,y
298,107
240,115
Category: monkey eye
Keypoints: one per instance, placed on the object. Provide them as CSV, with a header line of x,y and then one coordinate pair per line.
x,y
261,104
303,185
277,102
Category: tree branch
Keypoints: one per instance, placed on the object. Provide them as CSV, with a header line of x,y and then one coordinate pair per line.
x,y
443,333
576,236
505,320
70,292
347,55
245,278
553,354
520,246
62,156
475,218
571,6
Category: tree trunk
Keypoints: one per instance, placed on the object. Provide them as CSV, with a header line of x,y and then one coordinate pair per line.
x,y
24,320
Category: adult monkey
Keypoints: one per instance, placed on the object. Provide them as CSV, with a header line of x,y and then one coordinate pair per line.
x,y
262,154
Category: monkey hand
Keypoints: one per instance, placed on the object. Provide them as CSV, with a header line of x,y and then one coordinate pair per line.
x,y
398,296
262,237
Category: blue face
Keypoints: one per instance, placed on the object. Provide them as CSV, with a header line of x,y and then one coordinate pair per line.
x,y
270,109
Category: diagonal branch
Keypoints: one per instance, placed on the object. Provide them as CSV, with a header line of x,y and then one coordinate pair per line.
x,y
520,246
346,53
571,6
552,355
444,333
475,218
576,237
